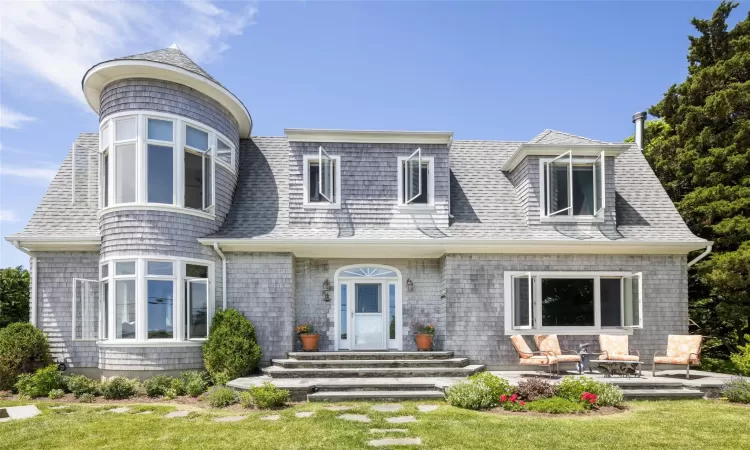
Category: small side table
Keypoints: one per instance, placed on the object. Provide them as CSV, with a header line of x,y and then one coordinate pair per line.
x,y
585,361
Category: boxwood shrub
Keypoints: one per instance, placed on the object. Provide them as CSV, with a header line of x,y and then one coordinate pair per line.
x,y
231,349
119,388
40,383
23,349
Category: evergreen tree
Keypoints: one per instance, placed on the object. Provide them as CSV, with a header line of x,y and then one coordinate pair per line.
x,y
14,295
699,147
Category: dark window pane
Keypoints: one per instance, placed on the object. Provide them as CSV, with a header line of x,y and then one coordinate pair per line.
x,y
368,298
609,289
196,271
343,310
193,181
558,187
160,309
567,302
392,310
197,316
314,182
105,175
583,191
208,185
159,174
424,193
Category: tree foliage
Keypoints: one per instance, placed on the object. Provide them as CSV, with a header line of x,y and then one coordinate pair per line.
x,y
699,147
14,295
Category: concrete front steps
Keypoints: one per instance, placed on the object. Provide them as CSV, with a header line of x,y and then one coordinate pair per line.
x,y
668,389
404,375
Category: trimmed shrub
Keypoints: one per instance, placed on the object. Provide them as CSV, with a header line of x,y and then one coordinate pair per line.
x,y
267,396
555,405
196,388
741,360
170,394
535,389
195,382
40,383
55,394
157,386
573,387
86,398
610,395
231,349
737,390
119,388
178,386
471,395
498,386
23,349
221,396
80,384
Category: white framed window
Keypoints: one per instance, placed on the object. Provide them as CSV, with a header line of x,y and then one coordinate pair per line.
x,y
142,300
416,180
572,188
161,161
573,302
86,306
321,180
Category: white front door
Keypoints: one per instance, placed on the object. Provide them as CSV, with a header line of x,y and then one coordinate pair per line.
x,y
368,316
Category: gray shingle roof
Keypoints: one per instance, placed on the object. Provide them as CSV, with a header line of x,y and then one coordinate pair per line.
x,y
57,214
173,57
559,137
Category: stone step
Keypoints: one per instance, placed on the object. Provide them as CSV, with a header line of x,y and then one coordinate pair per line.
x,y
280,372
662,394
373,386
337,396
365,355
367,363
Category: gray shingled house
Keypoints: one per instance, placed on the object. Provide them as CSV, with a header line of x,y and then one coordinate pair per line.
x,y
174,210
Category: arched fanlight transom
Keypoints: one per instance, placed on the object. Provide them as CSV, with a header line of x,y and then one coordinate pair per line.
x,y
369,272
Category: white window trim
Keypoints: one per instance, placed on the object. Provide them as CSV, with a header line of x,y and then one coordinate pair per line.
x,y
74,336
543,217
141,317
430,160
306,160
178,148
209,153
537,328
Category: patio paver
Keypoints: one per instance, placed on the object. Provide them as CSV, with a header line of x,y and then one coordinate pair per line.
x,y
427,408
401,419
390,407
355,418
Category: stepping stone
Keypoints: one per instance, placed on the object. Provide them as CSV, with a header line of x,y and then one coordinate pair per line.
x,y
388,430
230,419
399,441
59,407
142,413
120,410
304,415
271,418
174,414
355,418
427,408
387,408
401,419
338,408
20,412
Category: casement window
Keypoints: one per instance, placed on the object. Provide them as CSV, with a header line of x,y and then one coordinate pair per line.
x,y
161,161
416,180
572,187
573,302
321,180
146,299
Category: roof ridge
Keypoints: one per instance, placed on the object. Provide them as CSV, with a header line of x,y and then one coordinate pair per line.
x,y
576,136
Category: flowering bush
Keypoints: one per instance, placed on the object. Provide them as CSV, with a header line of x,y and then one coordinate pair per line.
x,y
470,395
588,399
737,390
423,328
609,395
497,385
512,403
305,328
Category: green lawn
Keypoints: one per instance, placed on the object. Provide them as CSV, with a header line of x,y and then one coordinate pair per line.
x,y
694,424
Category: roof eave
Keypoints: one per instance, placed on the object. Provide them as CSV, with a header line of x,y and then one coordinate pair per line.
x,y
369,136
529,149
56,243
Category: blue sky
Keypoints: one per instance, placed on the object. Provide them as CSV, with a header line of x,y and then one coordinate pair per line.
x,y
482,70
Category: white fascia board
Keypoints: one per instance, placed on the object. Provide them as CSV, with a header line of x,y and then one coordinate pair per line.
x,y
106,72
370,137
429,248
57,243
556,149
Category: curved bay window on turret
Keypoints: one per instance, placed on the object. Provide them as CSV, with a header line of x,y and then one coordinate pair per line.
x,y
161,161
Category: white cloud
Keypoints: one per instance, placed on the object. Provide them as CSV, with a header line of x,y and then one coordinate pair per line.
x,y
6,215
41,174
13,119
58,41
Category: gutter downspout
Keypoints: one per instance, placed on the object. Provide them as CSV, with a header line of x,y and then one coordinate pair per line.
x,y
223,275
701,256
32,288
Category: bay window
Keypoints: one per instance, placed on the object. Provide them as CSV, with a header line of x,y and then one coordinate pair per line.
x,y
572,302
145,299
161,161
572,187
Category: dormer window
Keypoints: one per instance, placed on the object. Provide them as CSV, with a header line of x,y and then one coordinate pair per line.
x,y
416,180
572,187
321,180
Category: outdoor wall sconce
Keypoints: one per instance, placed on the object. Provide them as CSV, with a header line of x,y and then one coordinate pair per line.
x,y
409,285
326,290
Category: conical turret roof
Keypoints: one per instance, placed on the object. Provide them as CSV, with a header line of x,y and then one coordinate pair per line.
x,y
172,56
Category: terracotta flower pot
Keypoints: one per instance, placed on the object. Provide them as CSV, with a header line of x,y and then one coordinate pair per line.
x,y
309,342
424,342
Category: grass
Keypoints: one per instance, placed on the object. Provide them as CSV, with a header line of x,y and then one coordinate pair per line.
x,y
693,424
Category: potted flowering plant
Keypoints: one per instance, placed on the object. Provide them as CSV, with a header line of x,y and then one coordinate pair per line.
x,y
308,336
423,333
